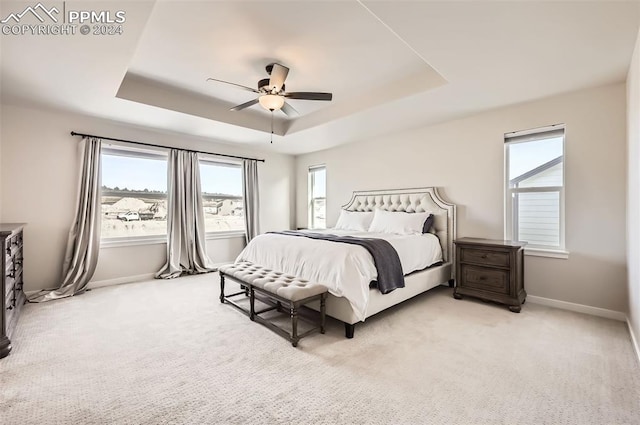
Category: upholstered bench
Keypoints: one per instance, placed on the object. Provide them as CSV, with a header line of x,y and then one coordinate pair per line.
x,y
277,287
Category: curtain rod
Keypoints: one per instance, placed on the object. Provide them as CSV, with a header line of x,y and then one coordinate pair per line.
x,y
73,133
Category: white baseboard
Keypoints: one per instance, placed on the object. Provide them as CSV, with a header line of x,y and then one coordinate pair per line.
x,y
580,308
119,280
217,265
634,341
131,279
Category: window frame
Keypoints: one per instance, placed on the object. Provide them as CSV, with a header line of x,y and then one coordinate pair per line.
x,y
311,173
510,193
214,160
116,149
126,150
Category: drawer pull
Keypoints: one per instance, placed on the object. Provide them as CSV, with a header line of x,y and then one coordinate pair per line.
x,y
483,256
482,278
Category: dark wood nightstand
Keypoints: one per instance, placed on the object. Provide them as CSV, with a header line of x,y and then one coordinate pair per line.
x,y
492,270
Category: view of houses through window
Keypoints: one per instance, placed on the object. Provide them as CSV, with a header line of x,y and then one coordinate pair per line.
x,y
317,197
222,196
535,187
134,194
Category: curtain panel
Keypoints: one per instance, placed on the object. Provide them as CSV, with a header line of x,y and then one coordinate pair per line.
x,y
251,198
186,251
83,243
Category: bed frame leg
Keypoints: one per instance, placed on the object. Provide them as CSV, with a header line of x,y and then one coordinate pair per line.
x,y
451,282
221,288
349,329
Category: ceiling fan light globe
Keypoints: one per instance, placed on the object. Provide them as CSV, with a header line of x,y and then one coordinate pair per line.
x,y
271,102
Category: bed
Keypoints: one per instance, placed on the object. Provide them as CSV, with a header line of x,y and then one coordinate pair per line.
x,y
347,270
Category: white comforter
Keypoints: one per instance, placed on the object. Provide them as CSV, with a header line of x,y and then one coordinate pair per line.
x,y
345,269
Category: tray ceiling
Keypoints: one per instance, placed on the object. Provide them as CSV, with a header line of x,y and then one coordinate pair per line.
x,y
391,65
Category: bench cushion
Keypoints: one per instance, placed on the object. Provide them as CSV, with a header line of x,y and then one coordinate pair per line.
x,y
286,286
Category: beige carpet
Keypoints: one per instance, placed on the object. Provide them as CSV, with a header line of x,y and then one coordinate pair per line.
x,y
167,352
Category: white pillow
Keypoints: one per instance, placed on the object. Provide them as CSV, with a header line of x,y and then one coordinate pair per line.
x,y
398,222
354,220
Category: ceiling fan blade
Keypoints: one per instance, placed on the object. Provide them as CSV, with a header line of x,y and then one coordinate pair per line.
x,y
234,84
308,95
244,105
278,75
289,110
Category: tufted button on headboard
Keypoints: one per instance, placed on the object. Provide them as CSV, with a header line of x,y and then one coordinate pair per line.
x,y
425,199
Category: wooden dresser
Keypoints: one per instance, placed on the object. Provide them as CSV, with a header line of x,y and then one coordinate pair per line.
x,y
492,270
12,295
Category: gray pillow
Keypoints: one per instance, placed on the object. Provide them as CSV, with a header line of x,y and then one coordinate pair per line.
x,y
427,224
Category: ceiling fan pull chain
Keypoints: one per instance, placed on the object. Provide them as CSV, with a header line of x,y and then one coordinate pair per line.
x,y
272,126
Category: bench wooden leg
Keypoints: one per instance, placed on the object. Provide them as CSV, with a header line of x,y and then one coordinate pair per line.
x,y
294,325
221,288
252,304
323,309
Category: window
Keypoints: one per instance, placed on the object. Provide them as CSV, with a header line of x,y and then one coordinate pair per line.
x,y
535,187
134,193
317,197
222,196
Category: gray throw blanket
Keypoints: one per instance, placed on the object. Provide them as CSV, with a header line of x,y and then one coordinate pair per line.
x,y
385,257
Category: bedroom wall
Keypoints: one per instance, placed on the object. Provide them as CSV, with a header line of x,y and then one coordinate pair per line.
x,y
633,193
39,171
465,158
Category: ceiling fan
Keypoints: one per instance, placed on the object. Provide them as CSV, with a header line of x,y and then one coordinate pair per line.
x,y
271,92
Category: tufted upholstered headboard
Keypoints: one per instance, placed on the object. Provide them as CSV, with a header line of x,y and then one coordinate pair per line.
x,y
413,200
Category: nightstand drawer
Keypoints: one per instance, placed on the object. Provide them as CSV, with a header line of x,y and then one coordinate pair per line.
x,y
485,279
480,256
